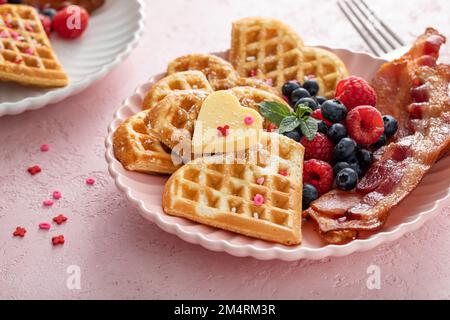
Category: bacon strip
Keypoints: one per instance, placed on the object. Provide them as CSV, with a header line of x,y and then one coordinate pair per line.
x,y
423,138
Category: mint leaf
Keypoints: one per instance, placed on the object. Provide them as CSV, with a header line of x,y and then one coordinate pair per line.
x,y
303,110
274,112
309,128
289,124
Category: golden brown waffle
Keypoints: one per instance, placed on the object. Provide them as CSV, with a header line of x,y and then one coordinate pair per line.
x,y
268,49
173,119
221,194
26,55
188,80
325,67
140,151
220,73
250,97
257,84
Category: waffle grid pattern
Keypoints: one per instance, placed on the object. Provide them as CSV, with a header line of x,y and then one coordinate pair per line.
x,y
26,55
181,81
211,187
139,151
173,119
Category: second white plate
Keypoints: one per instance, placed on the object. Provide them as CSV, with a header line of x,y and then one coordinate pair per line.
x,y
114,31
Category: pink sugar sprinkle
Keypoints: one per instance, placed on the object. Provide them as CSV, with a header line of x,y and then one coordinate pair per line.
x,y
90,181
29,51
14,34
48,203
258,200
57,195
269,82
45,226
45,148
260,181
3,34
249,120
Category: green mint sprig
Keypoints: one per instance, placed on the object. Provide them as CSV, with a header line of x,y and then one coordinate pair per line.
x,y
286,120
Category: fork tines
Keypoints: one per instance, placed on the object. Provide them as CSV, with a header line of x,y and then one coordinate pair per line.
x,y
375,33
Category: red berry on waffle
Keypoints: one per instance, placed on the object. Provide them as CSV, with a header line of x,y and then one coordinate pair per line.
x,y
319,174
354,92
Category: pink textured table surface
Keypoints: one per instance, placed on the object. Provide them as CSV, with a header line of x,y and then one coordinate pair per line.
x,y
121,256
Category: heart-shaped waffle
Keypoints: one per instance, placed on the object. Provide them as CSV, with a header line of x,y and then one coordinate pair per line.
x,y
140,151
252,198
270,50
180,81
26,55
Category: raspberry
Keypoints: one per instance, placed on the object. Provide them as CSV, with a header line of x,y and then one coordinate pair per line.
x,y
319,174
317,114
354,92
365,125
71,22
320,148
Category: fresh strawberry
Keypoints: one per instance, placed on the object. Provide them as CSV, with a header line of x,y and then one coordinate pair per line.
x,y
320,148
71,22
317,114
319,174
354,92
365,125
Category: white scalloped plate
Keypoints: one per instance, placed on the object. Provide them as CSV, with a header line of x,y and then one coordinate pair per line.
x,y
145,191
114,31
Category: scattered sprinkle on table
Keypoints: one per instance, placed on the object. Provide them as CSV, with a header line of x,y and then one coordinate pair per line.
x,y
20,232
58,240
45,226
45,148
90,181
34,170
47,203
57,195
60,219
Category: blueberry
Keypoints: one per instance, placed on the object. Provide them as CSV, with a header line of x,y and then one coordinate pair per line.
x,y
364,158
310,194
299,94
311,86
334,111
340,166
344,149
309,102
390,126
294,135
49,12
320,100
380,143
289,87
337,132
355,165
322,127
347,179
15,1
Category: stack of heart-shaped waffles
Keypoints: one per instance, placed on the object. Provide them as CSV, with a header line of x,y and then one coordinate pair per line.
x,y
260,197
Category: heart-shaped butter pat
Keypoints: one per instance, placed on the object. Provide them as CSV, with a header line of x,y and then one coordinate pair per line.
x,y
224,126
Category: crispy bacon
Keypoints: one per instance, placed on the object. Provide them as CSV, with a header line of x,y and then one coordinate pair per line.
x,y
415,90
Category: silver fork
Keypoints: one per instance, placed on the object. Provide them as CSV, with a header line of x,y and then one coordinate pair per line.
x,y
375,33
